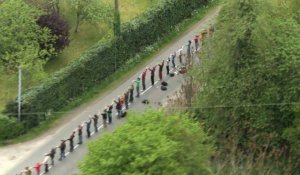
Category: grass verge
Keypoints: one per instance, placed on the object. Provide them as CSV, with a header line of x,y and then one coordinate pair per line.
x,y
117,78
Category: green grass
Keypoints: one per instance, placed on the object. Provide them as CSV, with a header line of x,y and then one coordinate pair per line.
x,y
88,35
114,80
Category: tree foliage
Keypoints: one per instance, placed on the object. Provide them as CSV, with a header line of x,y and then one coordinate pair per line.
x,y
150,144
254,63
91,11
58,27
20,36
250,75
9,128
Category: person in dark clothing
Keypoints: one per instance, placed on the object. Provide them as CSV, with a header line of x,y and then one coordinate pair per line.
x,y
173,59
168,66
51,154
118,108
152,74
144,78
126,99
71,140
79,130
131,89
62,148
88,127
160,69
104,118
95,119
189,49
109,112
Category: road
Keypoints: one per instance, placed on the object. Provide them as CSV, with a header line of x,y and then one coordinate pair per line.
x,y
15,157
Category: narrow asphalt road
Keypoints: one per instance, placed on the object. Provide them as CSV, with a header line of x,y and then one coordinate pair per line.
x,y
15,157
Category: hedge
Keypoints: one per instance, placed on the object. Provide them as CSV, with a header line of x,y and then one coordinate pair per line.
x,y
9,128
99,62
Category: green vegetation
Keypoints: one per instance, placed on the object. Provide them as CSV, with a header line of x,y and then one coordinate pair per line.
x,y
249,80
89,34
64,86
246,95
151,144
9,128
91,11
21,38
111,82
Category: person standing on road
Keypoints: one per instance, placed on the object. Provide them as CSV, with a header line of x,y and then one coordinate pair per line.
x,y
51,154
168,65
95,119
26,171
188,51
104,118
118,108
160,69
126,99
46,162
131,89
88,127
179,53
79,130
109,112
38,168
62,148
144,78
71,140
137,86
152,74
173,60
196,40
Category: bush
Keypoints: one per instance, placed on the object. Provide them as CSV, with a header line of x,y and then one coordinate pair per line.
x,y
99,62
151,144
9,128
58,27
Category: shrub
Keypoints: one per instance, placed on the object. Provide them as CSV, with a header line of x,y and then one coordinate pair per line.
x,y
99,62
58,27
9,128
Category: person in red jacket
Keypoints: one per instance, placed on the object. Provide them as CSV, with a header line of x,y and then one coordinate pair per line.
x,y
196,40
160,69
152,74
37,168
144,78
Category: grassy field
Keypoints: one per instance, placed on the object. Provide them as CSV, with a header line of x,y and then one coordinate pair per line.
x,y
88,35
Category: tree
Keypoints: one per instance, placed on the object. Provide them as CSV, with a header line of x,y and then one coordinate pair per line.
x,y
58,27
47,5
117,20
91,11
257,65
250,78
20,37
150,144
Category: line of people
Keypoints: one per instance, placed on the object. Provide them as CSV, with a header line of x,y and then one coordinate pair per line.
x,y
121,106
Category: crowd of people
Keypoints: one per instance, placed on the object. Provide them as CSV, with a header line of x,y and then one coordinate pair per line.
x,y
121,104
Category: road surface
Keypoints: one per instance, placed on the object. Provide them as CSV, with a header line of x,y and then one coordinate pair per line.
x,y
15,157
